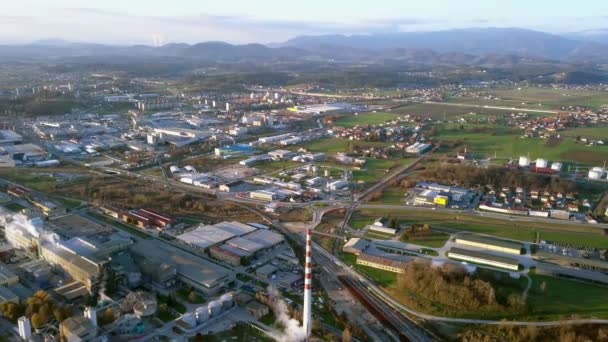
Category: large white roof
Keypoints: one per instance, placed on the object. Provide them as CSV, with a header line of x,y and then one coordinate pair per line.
x,y
206,236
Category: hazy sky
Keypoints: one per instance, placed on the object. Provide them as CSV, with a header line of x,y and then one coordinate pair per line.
x,y
264,21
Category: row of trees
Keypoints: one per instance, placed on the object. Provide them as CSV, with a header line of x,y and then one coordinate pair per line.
x,y
450,285
564,333
40,308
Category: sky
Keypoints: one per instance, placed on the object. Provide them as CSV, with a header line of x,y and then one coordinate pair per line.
x,y
155,22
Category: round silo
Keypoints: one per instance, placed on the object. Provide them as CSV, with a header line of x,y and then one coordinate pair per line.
x,y
202,314
215,308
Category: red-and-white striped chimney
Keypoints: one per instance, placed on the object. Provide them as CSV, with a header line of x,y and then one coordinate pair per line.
x,y
307,316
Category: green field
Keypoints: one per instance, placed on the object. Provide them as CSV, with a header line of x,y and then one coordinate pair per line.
x,y
547,98
585,235
366,119
434,240
392,195
31,180
378,235
374,169
441,111
563,297
506,144
598,132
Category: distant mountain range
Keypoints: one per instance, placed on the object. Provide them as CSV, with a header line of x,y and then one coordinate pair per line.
x,y
487,46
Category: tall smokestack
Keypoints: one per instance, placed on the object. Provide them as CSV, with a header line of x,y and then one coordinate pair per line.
x,y
306,317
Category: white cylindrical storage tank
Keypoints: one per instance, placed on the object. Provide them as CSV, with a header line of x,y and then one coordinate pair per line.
x,y
215,308
557,166
202,314
541,162
524,161
189,319
327,173
594,174
226,300
315,169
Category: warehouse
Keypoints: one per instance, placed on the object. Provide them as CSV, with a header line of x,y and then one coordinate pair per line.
x,y
426,197
263,195
483,258
231,186
381,263
229,254
29,152
204,237
245,244
8,137
266,271
355,246
236,228
493,244
281,154
266,238
418,148
191,270
233,151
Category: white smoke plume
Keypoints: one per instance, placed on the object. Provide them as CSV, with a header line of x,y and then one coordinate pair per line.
x,y
21,224
293,331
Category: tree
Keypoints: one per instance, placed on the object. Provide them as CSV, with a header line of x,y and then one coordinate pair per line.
x,y
108,316
194,297
12,311
394,223
346,335
37,321
45,313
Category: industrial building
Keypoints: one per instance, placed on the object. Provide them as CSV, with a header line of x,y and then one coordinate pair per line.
x,y
233,151
191,270
231,242
7,295
25,152
418,148
229,254
8,137
83,258
205,236
7,277
266,271
263,195
142,218
483,258
381,226
78,328
356,246
493,244
381,263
